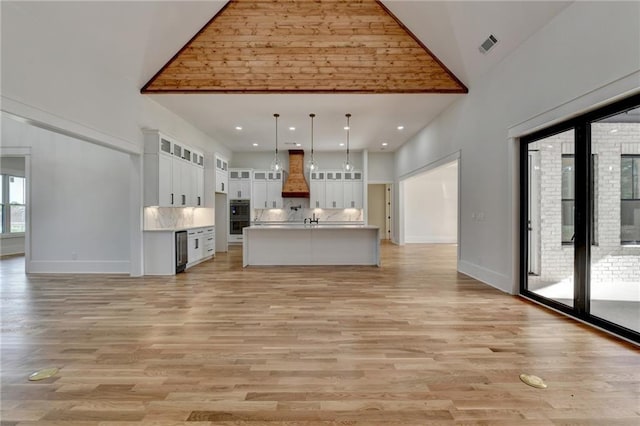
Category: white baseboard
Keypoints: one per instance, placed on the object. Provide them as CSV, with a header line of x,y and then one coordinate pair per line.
x,y
78,267
429,239
487,276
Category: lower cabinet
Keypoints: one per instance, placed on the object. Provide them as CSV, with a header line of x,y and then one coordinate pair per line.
x,y
202,244
160,249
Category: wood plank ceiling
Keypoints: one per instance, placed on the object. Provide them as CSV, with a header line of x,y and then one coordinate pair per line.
x,y
307,46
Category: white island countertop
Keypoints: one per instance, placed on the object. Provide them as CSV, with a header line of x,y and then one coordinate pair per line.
x,y
311,244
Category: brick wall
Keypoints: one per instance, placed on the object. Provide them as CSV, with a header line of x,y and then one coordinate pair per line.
x,y
611,261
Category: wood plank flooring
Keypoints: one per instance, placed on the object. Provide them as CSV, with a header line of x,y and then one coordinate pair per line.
x,y
410,343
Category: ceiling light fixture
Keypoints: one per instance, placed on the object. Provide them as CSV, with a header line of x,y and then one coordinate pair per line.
x,y
311,164
400,127
255,144
341,144
238,127
292,128
384,144
347,166
275,164
613,131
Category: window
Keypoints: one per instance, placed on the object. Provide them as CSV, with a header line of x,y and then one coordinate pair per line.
x,y
630,199
13,204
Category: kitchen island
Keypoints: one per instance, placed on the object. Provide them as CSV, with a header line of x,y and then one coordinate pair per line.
x,y
298,244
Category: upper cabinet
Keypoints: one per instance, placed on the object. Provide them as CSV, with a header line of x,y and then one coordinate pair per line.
x,y
240,184
336,189
173,172
267,189
222,174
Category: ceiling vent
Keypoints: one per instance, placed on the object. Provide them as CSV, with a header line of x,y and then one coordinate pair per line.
x,y
488,44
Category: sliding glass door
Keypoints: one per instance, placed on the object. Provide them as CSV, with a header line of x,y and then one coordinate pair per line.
x,y
615,261
580,217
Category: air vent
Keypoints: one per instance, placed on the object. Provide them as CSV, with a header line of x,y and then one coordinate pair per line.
x,y
488,44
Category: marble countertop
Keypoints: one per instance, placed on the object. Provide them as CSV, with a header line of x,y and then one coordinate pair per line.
x,y
182,228
296,225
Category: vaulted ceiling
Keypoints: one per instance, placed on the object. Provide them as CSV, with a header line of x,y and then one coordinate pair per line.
x,y
304,46
131,41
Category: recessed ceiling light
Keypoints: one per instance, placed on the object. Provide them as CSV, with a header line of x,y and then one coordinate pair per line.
x,y
346,127
341,144
298,144
254,144
238,127
384,144
400,127
292,128
613,131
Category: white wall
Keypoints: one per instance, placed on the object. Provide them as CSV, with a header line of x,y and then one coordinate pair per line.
x,y
78,203
381,167
569,58
431,206
42,79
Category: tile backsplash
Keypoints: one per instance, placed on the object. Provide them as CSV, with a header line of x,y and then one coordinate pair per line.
x,y
297,209
171,217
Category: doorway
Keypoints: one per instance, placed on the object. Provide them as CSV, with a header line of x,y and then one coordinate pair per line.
x,y
379,208
13,211
431,205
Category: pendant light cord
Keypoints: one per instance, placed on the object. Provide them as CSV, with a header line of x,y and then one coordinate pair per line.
x,y
276,116
348,130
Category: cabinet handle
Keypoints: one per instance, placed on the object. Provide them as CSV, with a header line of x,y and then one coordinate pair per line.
x,y
184,199
171,198
198,200
265,204
222,186
274,204
334,204
353,204
239,194
197,242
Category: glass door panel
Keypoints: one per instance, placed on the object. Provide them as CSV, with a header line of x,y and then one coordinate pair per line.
x,y
551,200
615,260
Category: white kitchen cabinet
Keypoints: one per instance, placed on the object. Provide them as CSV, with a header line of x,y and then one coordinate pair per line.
x,y
173,173
195,248
259,190
317,190
209,245
267,190
274,190
334,190
222,175
199,185
352,184
240,184
202,245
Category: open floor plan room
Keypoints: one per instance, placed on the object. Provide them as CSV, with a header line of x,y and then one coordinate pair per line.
x,y
410,343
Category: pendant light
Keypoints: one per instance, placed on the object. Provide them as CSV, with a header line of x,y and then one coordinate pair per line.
x,y
347,166
311,164
275,164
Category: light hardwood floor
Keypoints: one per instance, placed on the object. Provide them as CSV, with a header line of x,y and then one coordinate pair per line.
x,y
410,343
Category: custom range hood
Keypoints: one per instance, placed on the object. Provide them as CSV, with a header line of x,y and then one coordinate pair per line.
x,y
296,185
